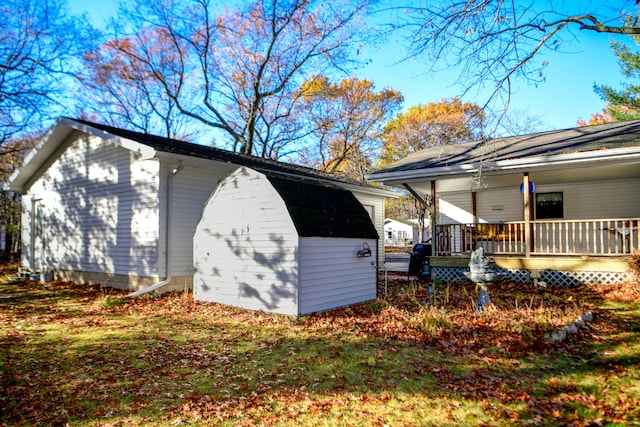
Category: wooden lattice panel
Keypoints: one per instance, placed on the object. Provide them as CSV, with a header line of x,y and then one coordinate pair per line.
x,y
550,277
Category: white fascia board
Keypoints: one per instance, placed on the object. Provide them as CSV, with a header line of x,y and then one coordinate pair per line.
x,y
146,152
227,167
196,162
52,140
558,161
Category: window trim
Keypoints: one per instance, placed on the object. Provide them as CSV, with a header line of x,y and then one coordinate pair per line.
x,y
561,202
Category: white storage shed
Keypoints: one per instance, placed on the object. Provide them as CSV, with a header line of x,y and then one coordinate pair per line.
x,y
284,244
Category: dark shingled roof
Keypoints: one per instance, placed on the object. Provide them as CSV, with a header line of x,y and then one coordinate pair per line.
x,y
175,146
567,141
321,209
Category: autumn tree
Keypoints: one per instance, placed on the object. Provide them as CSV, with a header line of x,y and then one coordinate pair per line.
x,y
346,120
437,123
10,202
237,70
494,42
39,45
422,126
123,92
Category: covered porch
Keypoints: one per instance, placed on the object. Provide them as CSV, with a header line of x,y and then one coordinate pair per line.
x,y
559,206
561,252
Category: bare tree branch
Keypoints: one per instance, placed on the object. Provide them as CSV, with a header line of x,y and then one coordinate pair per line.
x,y
494,42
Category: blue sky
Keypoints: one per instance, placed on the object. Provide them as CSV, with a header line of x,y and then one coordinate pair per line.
x,y
566,96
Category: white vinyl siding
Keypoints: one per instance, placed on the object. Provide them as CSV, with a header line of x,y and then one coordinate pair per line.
x,y
331,275
500,204
100,209
191,189
26,219
246,247
584,200
605,199
455,208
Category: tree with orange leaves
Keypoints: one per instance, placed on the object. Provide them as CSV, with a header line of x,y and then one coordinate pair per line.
x,y
237,70
123,89
347,118
437,123
422,126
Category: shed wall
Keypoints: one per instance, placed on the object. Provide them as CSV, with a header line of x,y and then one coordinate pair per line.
x,y
246,247
98,211
331,275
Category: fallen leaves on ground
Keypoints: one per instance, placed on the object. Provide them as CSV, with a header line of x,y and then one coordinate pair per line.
x,y
202,362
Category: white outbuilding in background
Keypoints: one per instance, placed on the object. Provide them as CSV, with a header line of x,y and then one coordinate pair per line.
x,y
283,244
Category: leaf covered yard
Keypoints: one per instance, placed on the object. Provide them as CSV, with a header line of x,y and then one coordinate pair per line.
x,y
88,356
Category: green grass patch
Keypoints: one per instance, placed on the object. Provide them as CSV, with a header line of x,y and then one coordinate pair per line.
x,y
74,355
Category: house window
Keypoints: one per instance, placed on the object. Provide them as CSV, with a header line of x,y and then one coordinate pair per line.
x,y
549,205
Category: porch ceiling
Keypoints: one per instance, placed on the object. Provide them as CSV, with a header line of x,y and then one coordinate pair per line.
x,y
610,171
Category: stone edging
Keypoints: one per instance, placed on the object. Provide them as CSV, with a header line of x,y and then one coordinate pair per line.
x,y
571,328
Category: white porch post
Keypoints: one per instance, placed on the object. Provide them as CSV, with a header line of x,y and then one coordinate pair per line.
x,y
435,209
527,215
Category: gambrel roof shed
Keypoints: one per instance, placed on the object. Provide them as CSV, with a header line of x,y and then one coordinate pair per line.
x,y
287,245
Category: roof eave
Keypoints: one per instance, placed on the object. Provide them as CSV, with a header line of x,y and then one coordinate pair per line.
x,y
505,166
52,140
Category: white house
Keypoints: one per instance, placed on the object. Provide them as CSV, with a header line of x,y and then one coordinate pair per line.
x,y
400,233
562,204
120,208
272,242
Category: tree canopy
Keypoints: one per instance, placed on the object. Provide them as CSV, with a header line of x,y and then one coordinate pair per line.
x,y
623,104
123,91
436,123
235,70
39,46
449,121
346,120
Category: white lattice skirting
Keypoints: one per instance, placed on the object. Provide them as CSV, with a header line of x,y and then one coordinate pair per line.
x,y
551,277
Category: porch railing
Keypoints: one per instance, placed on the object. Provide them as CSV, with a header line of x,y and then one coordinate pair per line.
x,y
591,237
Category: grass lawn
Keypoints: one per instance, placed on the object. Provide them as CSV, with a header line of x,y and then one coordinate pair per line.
x,y
86,356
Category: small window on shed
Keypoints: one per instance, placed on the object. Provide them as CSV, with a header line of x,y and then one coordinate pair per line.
x,y
549,205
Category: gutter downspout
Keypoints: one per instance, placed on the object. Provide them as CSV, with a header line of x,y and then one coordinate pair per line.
x,y
168,276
